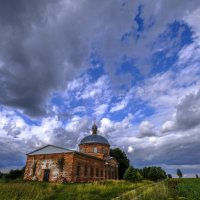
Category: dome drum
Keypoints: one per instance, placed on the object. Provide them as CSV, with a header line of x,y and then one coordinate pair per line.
x,y
91,139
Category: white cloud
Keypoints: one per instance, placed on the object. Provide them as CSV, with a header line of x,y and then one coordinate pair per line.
x,y
168,126
187,114
192,18
130,149
146,129
97,90
79,109
123,103
101,109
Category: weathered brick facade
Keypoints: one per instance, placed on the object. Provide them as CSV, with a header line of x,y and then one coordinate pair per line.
x,y
56,164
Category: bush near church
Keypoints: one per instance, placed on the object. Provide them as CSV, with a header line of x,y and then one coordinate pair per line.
x,y
147,173
122,159
132,175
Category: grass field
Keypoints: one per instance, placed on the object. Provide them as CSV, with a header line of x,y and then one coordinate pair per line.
x,y
19,190
105,190
185,188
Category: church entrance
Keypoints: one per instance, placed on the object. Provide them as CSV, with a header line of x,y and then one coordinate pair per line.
x,y
46,175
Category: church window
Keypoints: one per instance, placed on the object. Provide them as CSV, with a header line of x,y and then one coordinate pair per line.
x,y
85,170
91,172
78,169
34,167
101,172
97,172
109,173
95,149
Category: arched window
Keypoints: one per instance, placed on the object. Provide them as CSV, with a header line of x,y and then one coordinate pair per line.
x,y
101,172
95,149
91,171
78,169
97,172
85,171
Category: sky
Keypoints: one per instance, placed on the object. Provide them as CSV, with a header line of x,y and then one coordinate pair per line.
x,y
133,67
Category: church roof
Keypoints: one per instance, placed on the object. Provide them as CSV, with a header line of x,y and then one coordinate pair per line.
x,y
49,149
94,139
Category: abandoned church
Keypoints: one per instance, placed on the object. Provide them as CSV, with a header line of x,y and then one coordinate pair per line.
x,y
56,164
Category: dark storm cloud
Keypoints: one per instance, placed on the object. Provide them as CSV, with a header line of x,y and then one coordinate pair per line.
x,y
44,44
178,148
12,153
34,58
187,115
188,111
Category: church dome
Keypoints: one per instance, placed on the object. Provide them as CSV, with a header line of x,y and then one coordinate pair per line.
x,y
90,139
94,138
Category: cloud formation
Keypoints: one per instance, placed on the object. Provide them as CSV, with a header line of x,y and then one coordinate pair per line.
x,y
133,66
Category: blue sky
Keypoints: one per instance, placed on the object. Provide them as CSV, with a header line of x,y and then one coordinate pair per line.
x,y
131,66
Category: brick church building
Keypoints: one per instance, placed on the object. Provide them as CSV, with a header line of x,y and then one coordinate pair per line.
x,y
56,164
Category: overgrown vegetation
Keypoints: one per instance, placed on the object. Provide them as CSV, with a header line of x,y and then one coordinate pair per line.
x,y
147,173
132,174
185,188
170,189
104,190
122,159
13,174
152,191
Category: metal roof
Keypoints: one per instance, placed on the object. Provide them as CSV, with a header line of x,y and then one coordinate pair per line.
x,y
94,139
49,149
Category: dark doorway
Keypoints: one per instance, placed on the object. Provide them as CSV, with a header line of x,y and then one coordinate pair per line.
x,y
46,175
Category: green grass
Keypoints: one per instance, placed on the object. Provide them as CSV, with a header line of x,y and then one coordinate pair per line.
x,y
172,189
185,188
151,191
104,190
20,190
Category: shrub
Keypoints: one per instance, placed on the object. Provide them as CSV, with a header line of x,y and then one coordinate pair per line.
x,y
157,174
132,174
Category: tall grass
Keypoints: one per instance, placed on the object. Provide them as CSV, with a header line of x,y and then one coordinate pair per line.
x,y
185,188
172,189
151,191
104,190
18,190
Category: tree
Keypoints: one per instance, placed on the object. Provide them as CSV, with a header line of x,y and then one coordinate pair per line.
x,y
156,174
1,174
14,174
145,172
197,176
169,175
122,159
179,173
132,174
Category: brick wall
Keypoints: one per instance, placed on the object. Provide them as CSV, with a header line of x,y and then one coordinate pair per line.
x,y
77,167
86,168
102,150
43,162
